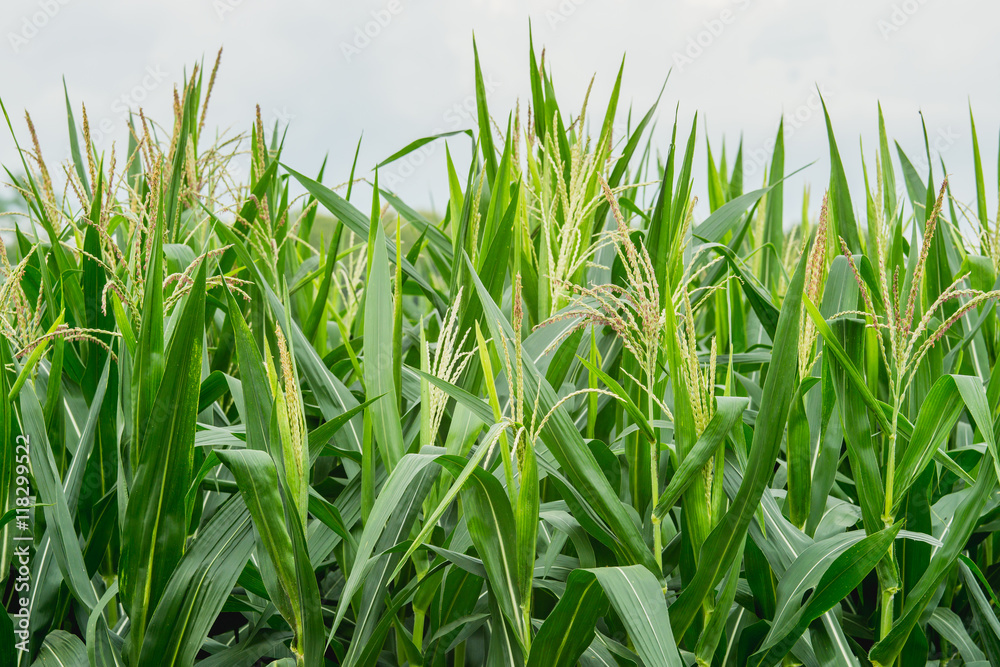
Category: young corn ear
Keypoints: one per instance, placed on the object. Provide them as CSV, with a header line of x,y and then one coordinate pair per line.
x,y
814,282
563,197
701,384
633,312
291,425
447,363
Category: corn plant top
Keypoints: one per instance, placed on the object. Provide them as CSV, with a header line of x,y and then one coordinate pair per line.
x,y
562,422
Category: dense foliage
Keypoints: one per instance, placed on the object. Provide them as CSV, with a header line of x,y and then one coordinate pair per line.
x,y
565,423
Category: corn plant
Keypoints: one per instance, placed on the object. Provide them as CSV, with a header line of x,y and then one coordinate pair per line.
x,y
249,417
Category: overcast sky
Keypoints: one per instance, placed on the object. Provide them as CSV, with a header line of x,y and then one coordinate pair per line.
x,y
398,70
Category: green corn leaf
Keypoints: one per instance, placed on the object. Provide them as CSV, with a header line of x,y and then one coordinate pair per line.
x,y
379,361
725,540
799,458
857,427
845,223
149,355
398,491
839,577
566,445
101,650
973,500
984,613
485,122
61,649
494,533
298,597
53,497
858,383
948,624
635,595
633,410
156,519
774,209
358,223
199,587
727,413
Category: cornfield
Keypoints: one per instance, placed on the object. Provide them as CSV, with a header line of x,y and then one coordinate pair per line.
x,y
252,418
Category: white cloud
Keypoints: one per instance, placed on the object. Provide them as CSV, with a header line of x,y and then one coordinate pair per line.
x,y
764,57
